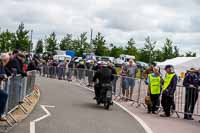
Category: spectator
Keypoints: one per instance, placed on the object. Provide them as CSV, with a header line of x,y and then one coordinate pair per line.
x,y
148,71
61,69
34,65
70,70
3,94
9,65
2,71
124,82
14,53
81,70
169,89
19,62
154,81
44,68
131,73
25,65
114,82
90,73
52,68
191,83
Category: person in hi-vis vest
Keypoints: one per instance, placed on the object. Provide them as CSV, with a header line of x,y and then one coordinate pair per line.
x,y
154,89
168,90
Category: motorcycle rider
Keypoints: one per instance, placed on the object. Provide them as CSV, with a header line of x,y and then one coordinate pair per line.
x,y
104,75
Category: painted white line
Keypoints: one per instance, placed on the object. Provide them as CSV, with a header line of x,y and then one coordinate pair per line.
x,y
32,123
142,123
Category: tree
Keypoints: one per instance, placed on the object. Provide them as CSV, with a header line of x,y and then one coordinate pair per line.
x,y
100,45
85,46
76,46
6,41
111,45
131,49
39,47
158,55
51,42
147,53
167,50
66,43
176,52
190,54
22,41
116,51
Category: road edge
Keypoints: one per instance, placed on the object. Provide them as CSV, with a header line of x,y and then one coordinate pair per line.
x,y
137,118
36,92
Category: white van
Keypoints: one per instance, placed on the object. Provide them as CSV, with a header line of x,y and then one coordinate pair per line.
x,y
123,59
107,59
62,58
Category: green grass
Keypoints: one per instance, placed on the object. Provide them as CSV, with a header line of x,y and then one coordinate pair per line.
x,y
138,74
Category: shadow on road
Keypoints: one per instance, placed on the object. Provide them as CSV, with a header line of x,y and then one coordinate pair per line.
x,y
91,106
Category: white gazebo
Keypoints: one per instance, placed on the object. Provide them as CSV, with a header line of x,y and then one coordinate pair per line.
x,y
181,64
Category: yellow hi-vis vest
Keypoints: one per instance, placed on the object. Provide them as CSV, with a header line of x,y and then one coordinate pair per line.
x,y
154,84
167,80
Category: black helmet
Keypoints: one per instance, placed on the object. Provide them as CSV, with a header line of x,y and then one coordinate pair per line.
x,y
168,66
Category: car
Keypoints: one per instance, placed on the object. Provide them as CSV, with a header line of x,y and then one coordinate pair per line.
x,y
62,58
123,59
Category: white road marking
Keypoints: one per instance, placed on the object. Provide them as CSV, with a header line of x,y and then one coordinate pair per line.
x,y
32,123
142,123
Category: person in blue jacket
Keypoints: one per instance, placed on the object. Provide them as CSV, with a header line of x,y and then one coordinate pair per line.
x,y
3,94
191,83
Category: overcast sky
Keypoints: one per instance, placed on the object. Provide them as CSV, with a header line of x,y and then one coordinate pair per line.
x,y
118,20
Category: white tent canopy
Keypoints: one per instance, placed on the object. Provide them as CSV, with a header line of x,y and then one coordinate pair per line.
x,y
181,64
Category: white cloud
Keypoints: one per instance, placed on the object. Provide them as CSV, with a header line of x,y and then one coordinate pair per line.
x,y
117,20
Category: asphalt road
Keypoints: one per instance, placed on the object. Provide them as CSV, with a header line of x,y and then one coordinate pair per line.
x,y
76,112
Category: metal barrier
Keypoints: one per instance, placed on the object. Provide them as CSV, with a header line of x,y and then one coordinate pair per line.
x,y
84,76
18,88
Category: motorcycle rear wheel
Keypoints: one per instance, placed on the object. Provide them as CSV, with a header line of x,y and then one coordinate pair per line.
x,y
107,105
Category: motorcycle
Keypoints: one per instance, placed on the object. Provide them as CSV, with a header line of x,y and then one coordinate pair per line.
x,y
105,96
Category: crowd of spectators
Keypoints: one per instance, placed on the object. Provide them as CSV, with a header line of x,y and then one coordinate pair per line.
x,y
154,79
167,84
12,64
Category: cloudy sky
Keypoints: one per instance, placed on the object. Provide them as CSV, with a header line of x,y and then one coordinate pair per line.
x,y
118,20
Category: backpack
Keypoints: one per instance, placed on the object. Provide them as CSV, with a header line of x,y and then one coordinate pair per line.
x,y
106,75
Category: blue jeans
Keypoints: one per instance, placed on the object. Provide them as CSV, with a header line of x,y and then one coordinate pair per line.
x,y
3,100
114,82
131,83
60,72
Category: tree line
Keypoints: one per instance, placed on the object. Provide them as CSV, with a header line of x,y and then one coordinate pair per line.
x,y
149,53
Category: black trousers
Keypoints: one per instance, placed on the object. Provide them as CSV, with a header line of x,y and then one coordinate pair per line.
x,y
191,96
3,100
167,102
97,90
155,100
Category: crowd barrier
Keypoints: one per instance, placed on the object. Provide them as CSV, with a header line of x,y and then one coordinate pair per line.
x,y
85,76
18,89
